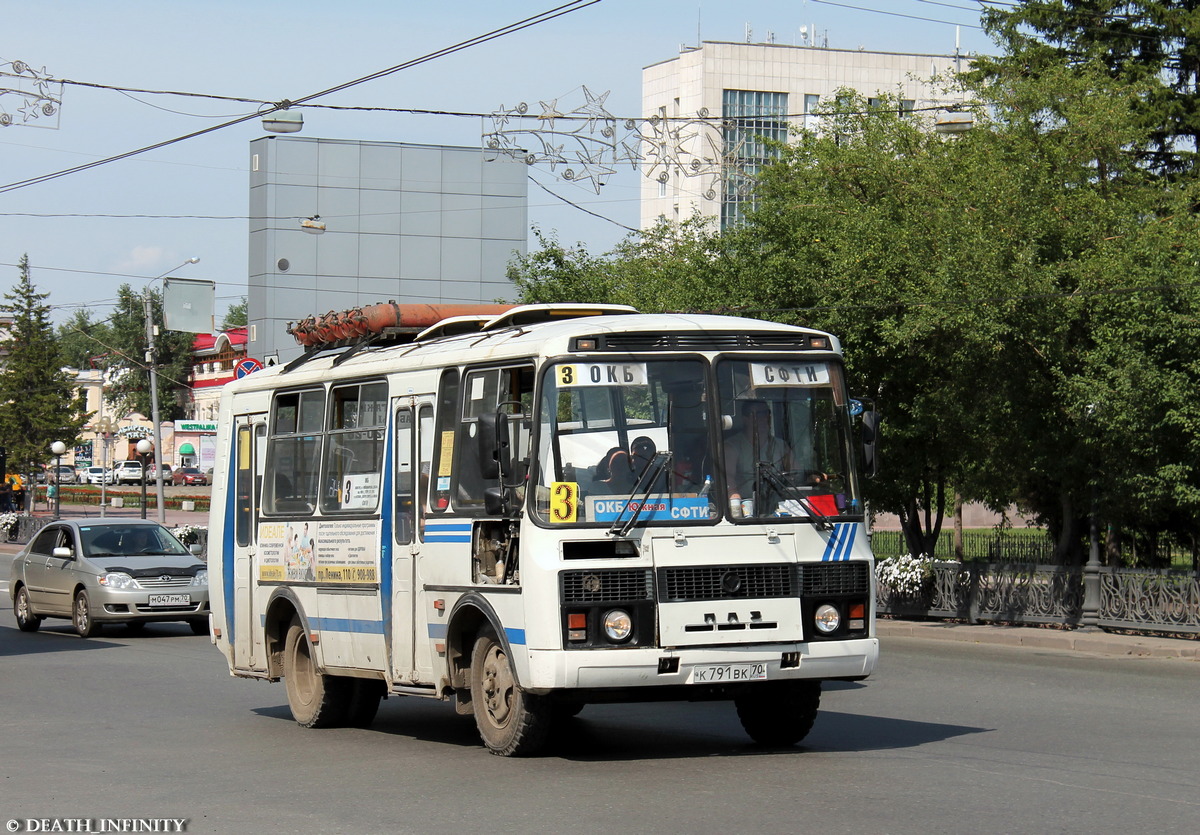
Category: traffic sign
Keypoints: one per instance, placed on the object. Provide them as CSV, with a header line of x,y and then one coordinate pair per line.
x,y
246,366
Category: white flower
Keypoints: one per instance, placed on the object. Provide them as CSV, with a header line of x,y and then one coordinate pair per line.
x,y
906,575
189,534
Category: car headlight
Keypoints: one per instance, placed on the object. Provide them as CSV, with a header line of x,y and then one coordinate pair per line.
x,y
201,578
827,618
618,625
118,580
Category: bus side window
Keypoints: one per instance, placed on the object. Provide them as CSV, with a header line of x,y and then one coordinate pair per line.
x,y
294,452
244,510
447,426
425,437
354,447
405,519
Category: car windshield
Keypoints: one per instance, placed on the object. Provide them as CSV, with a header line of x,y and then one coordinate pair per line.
x,y
127,540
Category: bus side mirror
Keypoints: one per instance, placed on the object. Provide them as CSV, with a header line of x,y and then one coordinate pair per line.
x,y
494,460
870,435
494,502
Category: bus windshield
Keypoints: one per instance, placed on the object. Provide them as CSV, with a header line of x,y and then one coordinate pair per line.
x,y
615,433
651,440
787,452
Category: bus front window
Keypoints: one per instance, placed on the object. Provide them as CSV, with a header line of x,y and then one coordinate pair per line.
x,y
616,432
787,452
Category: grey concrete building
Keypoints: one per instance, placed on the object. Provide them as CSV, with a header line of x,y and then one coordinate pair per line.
x,y
336,224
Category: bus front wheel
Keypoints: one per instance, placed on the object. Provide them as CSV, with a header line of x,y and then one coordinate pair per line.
x,y
511,722
779,714
316,700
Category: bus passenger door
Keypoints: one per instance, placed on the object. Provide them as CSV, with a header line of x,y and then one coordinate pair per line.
x,y
247,480
414,449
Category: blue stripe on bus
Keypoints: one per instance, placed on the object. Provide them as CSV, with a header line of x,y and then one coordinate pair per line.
x,y
447,531
385,549
837,548
227,539
367,627
515,637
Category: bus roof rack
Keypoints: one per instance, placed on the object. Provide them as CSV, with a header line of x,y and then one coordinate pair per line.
x,y
453,326
533,314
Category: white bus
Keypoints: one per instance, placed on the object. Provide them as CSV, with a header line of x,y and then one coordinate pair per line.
x,y
528,512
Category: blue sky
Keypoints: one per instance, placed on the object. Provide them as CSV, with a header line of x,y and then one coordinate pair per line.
x,y
190,198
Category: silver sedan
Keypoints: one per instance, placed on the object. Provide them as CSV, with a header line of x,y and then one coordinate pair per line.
x,y
97,571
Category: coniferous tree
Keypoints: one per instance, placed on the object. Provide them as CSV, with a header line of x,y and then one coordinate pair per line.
x,y
1155,43
39,403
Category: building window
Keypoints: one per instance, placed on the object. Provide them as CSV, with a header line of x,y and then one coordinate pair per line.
x,y
751,121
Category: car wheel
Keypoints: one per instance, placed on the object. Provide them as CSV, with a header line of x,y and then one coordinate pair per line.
x,y
199,627
27,621
81,616
316,700
511,722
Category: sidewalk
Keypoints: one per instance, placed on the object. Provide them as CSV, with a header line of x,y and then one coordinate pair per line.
x,y
1076,640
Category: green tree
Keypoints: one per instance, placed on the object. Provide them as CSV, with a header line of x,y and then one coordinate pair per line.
x,y
236,316
131,388
1154,44
83,343
38,400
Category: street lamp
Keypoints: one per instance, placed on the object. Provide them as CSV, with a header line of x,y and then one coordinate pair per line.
x,y
150,361
144,448
58,448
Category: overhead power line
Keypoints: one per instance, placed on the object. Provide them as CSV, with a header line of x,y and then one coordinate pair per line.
x,y
526,23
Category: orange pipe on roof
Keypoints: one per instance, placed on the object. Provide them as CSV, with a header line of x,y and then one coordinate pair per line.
x,y
374,318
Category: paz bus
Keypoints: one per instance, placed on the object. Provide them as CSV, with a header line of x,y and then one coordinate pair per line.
x,y
525,510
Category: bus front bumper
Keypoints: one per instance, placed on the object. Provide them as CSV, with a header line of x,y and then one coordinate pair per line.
x,y
699,667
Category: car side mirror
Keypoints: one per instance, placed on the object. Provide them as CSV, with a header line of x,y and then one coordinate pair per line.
x,y
63,553
195,549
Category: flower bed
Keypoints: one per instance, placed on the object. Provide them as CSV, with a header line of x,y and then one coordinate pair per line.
x,y
90,494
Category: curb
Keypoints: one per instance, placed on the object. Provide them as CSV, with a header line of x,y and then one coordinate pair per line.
x,y
1091,642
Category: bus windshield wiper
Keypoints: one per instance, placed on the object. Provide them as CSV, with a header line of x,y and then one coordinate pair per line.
x,y
644,485
769,473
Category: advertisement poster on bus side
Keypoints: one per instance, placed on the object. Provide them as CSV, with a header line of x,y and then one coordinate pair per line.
x,y
319,551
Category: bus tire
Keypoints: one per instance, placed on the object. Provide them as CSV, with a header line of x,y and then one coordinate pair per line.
x,y
511,722
316,700
365,695
779,714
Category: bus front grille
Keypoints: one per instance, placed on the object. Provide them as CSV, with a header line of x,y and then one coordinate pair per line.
x,y
832,578
725,582
605,585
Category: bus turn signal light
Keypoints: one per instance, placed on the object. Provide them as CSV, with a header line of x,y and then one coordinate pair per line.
x,y
577,626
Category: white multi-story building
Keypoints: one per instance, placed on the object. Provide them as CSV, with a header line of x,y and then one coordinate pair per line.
x,y
717,102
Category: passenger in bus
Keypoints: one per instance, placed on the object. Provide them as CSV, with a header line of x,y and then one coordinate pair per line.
x,y
752,443
644,449
614,473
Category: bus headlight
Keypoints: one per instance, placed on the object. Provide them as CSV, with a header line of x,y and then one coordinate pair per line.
x,y
827,619
618,625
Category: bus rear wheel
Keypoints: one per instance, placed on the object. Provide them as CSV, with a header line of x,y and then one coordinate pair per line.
x,y
779,714
511,722
316,700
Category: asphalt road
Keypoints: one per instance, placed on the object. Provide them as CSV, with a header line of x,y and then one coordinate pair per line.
x,y
946,737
